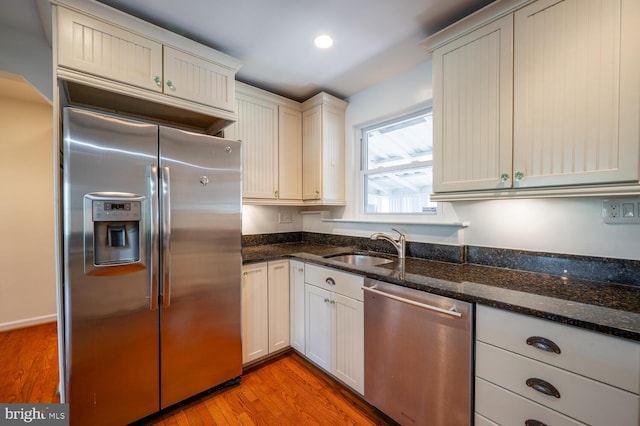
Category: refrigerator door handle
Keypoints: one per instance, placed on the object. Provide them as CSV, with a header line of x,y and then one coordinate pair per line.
x,y
153,247
166,237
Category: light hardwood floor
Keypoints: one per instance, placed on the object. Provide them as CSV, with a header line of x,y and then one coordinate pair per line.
x,y
285,391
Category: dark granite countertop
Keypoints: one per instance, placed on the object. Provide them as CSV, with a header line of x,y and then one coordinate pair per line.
x,y
612,309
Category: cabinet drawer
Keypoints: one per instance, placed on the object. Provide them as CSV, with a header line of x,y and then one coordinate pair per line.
x,y
507,408
581,398
604,358
346,284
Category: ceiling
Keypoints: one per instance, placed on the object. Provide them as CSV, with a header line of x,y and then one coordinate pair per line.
x,y
373,39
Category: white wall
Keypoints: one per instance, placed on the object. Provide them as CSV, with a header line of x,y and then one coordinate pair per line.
x,y
570,225
27,264
266,220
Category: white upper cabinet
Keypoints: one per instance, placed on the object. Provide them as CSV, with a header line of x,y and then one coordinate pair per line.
x,y
289,153
270,128
576,92
472,109
104,50
293,154
195,79
257,128
323,150
538,98
111,54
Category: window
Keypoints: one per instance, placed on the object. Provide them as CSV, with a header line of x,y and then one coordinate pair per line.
x,y
396,165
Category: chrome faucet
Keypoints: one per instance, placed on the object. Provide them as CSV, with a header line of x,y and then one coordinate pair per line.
x,y
399,244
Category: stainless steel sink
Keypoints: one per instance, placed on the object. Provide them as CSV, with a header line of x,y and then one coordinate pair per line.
x,y
359,259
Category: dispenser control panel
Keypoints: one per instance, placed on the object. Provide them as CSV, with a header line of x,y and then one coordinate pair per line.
x,y
111,210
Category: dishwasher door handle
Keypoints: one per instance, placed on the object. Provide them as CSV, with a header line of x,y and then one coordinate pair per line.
x,y
451,311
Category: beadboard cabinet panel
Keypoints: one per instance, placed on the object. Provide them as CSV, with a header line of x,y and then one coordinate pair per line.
x,y
289,153
333,154
323,150
257,128
576,72
195,79
348,363
278,305
311,154
255,312
296,300
472,109
96,47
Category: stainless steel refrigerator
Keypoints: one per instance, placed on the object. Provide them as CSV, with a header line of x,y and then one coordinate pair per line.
x,y
152,265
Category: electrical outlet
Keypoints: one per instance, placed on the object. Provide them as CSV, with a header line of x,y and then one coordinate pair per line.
x,y
621,210
285,217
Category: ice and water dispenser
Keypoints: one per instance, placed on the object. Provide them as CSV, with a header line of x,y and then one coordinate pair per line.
x,y
114,233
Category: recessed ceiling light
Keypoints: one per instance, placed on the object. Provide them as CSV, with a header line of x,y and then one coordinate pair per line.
x,y
323,41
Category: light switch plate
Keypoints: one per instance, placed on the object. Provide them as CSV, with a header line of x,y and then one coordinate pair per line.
x,y
621,210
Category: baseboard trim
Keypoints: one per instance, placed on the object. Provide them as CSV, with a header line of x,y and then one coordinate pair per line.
x,y
12,325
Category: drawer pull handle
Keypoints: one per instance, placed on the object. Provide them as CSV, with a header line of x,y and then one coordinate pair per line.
x,y
330,281
533,422
543,344
543,387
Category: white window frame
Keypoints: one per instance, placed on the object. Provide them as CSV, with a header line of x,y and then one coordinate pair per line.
x,y
363,172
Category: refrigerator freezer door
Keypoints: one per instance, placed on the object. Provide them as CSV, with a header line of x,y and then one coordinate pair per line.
x,y
111,338
200,314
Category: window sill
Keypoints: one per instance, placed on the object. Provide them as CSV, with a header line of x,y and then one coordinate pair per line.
x,y
325,213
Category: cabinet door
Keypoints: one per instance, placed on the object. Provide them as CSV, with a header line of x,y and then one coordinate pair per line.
x,y
348,363
255,312
278,305
332,154
257,128
289,154
318,326
95,47
312,153
472,109
296,288
195,79
576,92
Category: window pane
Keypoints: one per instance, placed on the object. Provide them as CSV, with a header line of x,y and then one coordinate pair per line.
x,y
399,191
399,143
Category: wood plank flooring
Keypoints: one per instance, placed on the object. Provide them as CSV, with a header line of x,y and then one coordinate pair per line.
x,y
285,391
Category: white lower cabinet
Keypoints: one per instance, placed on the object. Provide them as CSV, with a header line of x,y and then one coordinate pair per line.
x,y
334,323
296,303
265,309
531,370
319,326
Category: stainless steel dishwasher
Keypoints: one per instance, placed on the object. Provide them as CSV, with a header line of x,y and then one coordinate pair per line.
x,y
417,355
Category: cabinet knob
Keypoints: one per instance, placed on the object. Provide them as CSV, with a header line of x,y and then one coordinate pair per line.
x,y
326,300
245,274
330,281
301,270
157,80
170,85
317,194
543,344
275,193
504,177
519,175
543,386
